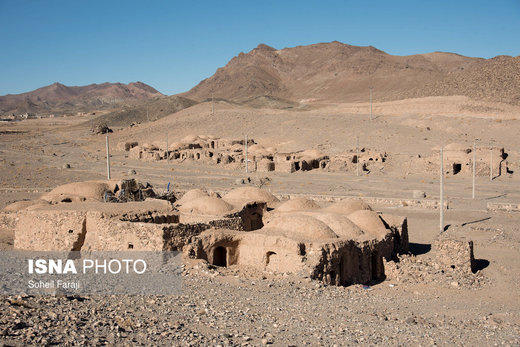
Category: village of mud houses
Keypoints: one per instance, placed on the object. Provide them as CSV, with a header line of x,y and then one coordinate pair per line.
x,y
297,192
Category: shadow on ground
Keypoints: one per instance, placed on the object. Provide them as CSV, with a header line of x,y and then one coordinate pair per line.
x,y
480,264
419,248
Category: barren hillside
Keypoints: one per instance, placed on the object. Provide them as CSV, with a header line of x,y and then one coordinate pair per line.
x,y
58,97
337,72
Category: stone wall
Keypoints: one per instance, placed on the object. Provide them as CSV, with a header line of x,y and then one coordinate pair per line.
x,y
454,254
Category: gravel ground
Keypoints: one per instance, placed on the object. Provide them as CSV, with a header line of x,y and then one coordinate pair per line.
x,y
217,307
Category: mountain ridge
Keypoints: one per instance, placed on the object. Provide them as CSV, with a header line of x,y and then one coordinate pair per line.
x,y
57,96
338,72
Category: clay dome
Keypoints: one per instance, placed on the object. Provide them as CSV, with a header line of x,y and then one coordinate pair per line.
x,y
79,191
370,223
256,147
176,146
190,139
348,206
312,153
249,194
340,224
22,205
456,147
207,205
191,195
150,147
300,227
297,204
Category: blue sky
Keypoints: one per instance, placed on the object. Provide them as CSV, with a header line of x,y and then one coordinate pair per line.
x,y
173,45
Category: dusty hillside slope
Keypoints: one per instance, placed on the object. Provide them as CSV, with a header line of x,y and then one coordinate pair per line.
x,y
337,72
145,111
58,97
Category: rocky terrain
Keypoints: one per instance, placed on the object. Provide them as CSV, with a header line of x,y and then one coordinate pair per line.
x,y
337,72
417,303
58,98
312,97
218,309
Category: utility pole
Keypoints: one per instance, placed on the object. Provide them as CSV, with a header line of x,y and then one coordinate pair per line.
x,y
491,163
246,155
474,168
441,207
357,155
108,160
167,147
370,103
212,105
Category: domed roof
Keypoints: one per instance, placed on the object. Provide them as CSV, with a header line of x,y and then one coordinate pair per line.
x,y
176,145
77,191
348,206
370,223
312,153
297,204
256,147
258,150
150,146
207,205
340,225
300,227
248,194
190,139
456,147
191,195
22,205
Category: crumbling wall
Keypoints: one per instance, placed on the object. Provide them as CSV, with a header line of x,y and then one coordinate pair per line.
x,y
177,236
399,227
454,254
111,234
50,230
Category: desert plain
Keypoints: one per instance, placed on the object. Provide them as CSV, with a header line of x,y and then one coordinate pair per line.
x,y
415,304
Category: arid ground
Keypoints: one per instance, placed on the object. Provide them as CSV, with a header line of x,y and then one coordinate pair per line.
x,y
237,306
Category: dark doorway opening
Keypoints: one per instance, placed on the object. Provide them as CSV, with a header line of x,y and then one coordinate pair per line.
x,y
220,256
268,256
456,168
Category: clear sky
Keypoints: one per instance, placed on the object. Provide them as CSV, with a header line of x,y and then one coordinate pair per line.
x,y
173,45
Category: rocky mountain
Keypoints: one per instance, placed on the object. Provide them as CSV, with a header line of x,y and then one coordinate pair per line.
x,y
60,98
337,72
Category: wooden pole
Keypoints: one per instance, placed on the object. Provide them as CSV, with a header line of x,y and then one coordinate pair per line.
x,y
370,103
357,156
108,160
212,105
441,207
474,168
246,155
167,149
491,164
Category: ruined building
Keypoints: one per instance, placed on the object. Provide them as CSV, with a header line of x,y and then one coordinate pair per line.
x,y
341,244
231,153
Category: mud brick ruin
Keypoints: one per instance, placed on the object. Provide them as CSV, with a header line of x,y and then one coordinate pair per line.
x,y
231,153
343,243
458,160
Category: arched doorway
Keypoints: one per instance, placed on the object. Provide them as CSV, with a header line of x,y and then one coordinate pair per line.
x,y
220,256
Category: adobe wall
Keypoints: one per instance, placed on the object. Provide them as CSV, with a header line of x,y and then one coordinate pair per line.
x,y
150,225
334,262
50,230
264,252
